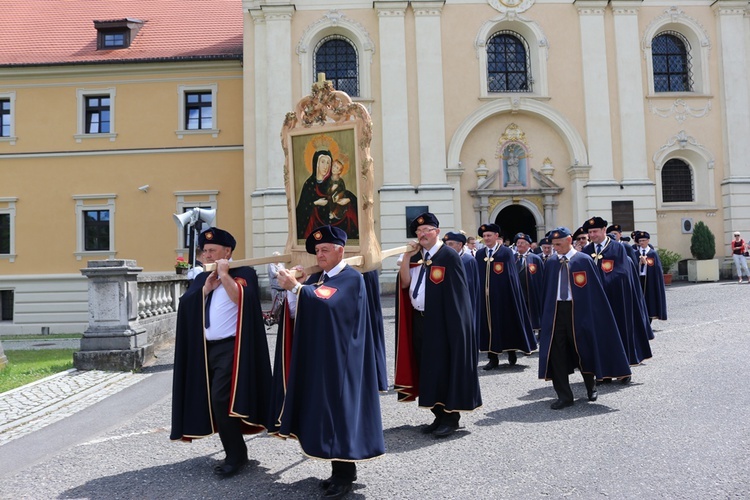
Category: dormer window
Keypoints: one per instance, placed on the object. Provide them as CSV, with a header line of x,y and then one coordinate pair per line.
x,y
117,33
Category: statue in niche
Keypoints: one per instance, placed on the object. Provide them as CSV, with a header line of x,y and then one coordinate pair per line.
x,y
514,163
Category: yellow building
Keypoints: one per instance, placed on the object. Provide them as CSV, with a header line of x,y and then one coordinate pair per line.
x,y
528,113
115,116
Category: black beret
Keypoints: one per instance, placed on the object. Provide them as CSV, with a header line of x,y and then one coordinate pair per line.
x,y
455,237
594,223
614,228
325,234
216,236
425,219
493,228
521,236
560,232
545,241
578,232
639,235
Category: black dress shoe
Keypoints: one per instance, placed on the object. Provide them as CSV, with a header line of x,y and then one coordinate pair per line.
x,y
432,427
592,394
606,381
560,404
512,358
226,469
491,365
338,489
625,380
445,430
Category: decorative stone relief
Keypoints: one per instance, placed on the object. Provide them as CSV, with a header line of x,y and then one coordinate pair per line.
x,y
683,141
674,15
680,109
513,151
334,18
511,6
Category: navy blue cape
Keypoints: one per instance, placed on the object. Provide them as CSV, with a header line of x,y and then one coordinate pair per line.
x,y
618,275
191,401
654,292
509,327
447,373
531,278
597,340
325,374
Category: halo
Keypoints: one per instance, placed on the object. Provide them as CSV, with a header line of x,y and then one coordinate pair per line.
x,y
318,143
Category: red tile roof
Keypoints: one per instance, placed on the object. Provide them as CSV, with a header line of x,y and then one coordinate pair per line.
x,y
42,32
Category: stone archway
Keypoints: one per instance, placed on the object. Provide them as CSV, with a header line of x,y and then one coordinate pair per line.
x,y
514,219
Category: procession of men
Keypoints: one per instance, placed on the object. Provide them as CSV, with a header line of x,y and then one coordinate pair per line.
x,y
582,303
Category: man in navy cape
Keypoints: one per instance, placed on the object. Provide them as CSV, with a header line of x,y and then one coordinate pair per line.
x,y
436,352
221,385
578,327
531,277
325,373
618,276
651,276
504,324
457,241
614,231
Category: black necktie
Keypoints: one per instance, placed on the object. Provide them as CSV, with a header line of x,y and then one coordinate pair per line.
x,y
564,279
415,293
325,277
207,308
598,248
489,254
519,262
643,265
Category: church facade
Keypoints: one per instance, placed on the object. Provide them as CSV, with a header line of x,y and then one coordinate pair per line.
x,y
530,114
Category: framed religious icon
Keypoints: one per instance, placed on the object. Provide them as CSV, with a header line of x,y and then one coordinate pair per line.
x,y
328,173
325,183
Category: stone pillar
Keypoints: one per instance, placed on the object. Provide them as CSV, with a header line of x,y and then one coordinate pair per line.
x,y
394,104
113,340
732,28
266,104
430,97
637,185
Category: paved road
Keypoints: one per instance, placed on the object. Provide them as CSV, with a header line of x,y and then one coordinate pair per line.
x,y
680,430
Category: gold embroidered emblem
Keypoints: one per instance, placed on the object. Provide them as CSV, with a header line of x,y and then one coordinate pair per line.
x,y
437,274
532,268
318,235
579,278
324,292
650,261
498,267
420,221
209,235
608,265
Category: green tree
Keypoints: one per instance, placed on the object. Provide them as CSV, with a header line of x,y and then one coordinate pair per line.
x,y
702,243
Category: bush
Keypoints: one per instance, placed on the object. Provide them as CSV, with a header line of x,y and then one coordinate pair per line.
x,y
702,243
668,259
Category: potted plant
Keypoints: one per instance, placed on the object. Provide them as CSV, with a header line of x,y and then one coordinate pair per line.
x,y
668,259
181,265
703,248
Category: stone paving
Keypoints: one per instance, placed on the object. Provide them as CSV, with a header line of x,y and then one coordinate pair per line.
x,y
54,398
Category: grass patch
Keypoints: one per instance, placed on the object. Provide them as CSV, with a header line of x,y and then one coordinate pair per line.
x,y
25,367
37,336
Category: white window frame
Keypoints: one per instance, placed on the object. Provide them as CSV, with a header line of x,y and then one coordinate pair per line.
x,y
85,202
699,51
11,96
538,54
81,95
204,199
701,162
10,209
336,23
185,89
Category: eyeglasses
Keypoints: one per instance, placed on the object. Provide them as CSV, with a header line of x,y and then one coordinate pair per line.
x,y
582,238
425,231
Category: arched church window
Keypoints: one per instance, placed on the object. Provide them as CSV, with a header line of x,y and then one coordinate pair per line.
x,y
676,182
337,57
508,63
671,63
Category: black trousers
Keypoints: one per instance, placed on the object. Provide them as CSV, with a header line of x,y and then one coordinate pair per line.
x,y
563,357
345,472
417,336
220,362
